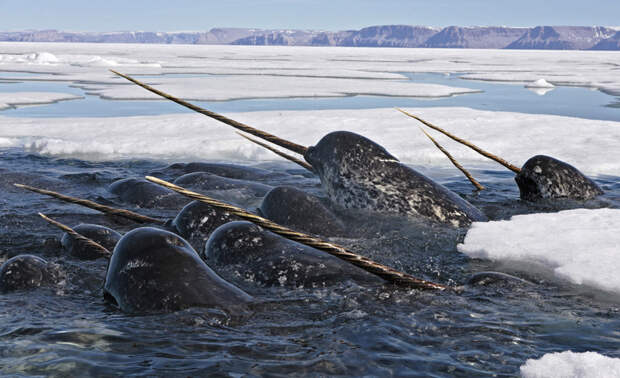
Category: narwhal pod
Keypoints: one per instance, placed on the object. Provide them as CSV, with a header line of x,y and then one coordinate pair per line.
x,y
197,220
300,211
104,236
247,250
357,173
144,193
153,270
544,177
25,272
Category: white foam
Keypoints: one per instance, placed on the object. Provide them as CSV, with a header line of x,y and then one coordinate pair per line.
x,y
33,98
572,365
577,245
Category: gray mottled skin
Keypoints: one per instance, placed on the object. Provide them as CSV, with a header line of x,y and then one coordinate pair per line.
x,y
358,173
271,260
544,177
146,194
155,270
24,272
300,211
105,236
197,220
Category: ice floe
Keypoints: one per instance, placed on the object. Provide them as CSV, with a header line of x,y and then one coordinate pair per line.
x,y
572,365
8,100
590,145
84,61
580,245
540,83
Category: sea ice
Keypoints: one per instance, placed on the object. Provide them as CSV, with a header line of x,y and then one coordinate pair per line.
x,y
594,69
572,365
578,245
540,83
590,145
9,99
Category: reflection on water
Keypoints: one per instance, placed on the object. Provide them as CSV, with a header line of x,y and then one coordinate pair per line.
x,y
568,101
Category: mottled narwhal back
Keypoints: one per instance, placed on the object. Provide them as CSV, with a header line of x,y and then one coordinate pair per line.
x,y
357,173
545,177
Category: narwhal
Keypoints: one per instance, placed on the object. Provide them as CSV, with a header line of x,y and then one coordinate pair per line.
x,y
358,173
541,177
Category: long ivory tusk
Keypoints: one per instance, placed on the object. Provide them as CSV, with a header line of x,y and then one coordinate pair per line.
x,y
466,143
380,270
104,251
454,162
238,125
278,152
94,205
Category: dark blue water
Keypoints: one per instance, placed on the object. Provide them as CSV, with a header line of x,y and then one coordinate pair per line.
x,y
68,329
569,101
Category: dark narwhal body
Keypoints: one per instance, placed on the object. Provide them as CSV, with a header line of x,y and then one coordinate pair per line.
x,y
155,270
146,194
543,177
102,235
245,249
197,220
24,272
300,211
357,173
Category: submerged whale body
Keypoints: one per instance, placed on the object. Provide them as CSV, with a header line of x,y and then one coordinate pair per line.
x,y
230,190
156,270
543,177
104,236
146,194
300,211
197,220
221,169
357,173
247,250
24,272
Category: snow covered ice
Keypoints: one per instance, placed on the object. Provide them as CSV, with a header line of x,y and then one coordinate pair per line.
x,y
572,365
577,245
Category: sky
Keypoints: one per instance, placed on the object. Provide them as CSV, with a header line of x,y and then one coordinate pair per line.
x,y
333,15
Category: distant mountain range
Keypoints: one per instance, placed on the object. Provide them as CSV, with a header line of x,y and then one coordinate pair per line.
x,y
483,37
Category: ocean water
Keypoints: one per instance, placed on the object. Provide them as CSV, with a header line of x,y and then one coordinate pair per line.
x,y
68,329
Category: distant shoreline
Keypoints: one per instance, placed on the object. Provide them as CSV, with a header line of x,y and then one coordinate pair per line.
x,y
405,36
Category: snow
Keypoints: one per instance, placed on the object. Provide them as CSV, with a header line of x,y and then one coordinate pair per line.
x,y
221,88
572,365
83,62
231,72
514,136
8,100
580,245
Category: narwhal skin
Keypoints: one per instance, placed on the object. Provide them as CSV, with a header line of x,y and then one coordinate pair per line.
x,y
541,177
357,173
